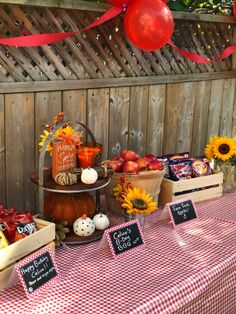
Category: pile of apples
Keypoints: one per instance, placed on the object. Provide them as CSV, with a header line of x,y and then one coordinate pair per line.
x,y
130,162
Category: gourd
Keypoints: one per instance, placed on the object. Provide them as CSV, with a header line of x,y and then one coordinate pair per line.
x,y
68,207
89,176
65,178
101,221
84,226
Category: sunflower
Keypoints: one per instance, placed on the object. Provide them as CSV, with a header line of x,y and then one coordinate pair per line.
x,y
224,148
43,139
137,201
209,150
66,131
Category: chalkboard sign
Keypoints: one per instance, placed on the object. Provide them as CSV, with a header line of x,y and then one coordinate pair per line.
x,y
182,211
125,237
37,271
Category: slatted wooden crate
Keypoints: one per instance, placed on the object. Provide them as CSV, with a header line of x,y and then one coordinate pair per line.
x,y
199,189
12,254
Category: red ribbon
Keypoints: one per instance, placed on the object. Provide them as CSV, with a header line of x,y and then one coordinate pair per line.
x,y
46,39
118,7
199,59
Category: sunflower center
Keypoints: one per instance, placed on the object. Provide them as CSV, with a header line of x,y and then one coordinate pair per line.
x,y
224,149
139,203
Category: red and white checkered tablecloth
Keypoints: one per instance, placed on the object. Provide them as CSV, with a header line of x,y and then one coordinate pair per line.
x,y
190,270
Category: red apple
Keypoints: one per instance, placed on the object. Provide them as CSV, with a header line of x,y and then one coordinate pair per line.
x,y
142,163
117,165
130,167
156,165
118,157
150,157
129,155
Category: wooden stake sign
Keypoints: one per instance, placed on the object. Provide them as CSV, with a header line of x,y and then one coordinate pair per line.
x,y
124,238
36,272
182,211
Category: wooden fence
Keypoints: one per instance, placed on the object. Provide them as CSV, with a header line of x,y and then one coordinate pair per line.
x,y
149,102
155,119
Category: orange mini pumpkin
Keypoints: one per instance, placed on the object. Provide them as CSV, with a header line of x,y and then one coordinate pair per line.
x,y
69,207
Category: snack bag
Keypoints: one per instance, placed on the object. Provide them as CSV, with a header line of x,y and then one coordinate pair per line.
x,y
180,169
178,156
200,167
25,225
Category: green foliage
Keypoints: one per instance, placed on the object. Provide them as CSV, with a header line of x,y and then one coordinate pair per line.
x,y
203,6
198,6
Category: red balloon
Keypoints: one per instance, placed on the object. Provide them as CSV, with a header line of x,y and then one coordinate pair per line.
x,y
148,24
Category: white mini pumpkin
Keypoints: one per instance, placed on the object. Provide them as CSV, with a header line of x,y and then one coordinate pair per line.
x,y
89,176
84,226
101,221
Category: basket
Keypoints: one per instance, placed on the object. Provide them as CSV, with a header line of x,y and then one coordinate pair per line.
x,y
149,181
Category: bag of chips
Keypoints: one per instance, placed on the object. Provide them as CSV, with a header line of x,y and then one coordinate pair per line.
x,y
200,167
180,169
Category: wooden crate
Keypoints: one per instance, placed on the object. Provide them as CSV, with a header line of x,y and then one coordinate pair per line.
x,y
200,189
12,254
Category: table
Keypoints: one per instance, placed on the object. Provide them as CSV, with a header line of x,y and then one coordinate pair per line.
x,y
191,270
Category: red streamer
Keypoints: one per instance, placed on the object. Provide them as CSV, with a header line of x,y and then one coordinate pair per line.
x,y
46,39
199,59
118,7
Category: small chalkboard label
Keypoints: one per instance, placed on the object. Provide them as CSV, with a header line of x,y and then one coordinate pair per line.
x,y
125,238
182,211
37,271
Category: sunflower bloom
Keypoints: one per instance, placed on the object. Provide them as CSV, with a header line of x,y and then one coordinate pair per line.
x,y
209,150
43,139
224,148
137,201
68,130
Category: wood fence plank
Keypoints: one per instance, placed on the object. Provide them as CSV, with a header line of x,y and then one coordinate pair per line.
x,y
2,152
214,113
227,107
179,117
47,105
16,87
20,150
200,118
156,117
74,105
234,120
98,116
118,120
138,119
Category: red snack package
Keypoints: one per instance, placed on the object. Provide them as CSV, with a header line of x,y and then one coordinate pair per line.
x,y
17,225
180,169
25,225
200,166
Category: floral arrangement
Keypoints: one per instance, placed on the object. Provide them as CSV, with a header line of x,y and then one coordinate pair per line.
x,y
66,134
133,199
221,150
